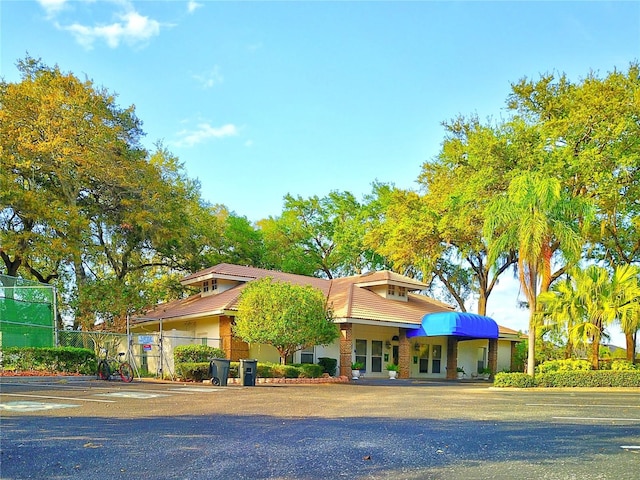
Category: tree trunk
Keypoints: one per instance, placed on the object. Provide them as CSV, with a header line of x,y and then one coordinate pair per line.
x,y
631,347
568,351
595,352
531,355
482,304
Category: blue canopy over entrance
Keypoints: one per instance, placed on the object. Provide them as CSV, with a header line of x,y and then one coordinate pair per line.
x,y
459,324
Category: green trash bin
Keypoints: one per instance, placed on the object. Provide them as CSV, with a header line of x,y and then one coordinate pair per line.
x,y
219,371
248,372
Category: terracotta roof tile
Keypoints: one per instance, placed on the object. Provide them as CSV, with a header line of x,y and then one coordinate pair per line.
x,y
347,296
386,276
194,305
507,331
252,273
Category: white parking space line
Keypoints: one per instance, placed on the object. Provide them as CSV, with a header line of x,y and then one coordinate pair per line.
x,y
580,405
75,399
598,419
630,447
132,394
192,390
33,406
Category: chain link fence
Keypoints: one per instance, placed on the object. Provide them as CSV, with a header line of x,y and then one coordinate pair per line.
x,y
150,354
27,313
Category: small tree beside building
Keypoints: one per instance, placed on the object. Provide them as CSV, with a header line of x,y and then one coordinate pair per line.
x,y
286,316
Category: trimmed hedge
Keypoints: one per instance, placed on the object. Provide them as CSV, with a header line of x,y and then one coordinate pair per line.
x,y
199,371
329,365
285,371
309,370
517,380
196,353
193,371
592,378
50,359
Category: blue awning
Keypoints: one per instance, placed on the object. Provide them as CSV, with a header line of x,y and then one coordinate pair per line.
x,y
459,324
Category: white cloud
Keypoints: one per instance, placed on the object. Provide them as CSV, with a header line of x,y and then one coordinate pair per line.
x,y
189,138
132,29
52,7
193,6
210,78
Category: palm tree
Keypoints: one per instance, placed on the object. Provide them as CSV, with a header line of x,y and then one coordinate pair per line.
x,y
592,299
628,279
540,221
560,311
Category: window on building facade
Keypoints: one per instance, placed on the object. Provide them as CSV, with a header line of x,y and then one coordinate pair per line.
x,y
361,351
306,355
482,358
391,290
376,355
402,291
214,284
424,359
436,355
205,286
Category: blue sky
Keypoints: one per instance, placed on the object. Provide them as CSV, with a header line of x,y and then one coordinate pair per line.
x,y
261,99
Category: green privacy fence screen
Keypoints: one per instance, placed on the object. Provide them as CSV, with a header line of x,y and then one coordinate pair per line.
x,y
27,313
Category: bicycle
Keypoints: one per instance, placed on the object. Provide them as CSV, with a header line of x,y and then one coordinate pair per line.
x,y
109,366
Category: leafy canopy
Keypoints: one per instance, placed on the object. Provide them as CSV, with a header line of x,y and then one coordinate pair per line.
x,y
288,317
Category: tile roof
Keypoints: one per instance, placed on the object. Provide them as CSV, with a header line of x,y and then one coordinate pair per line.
x,y
193,306
252,273
387,277
507,331
347,295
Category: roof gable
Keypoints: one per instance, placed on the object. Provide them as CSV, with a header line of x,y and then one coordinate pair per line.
x,y
243,274
350,297
386,277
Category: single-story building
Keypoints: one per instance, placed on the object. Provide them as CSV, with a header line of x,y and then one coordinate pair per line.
x,y
380,316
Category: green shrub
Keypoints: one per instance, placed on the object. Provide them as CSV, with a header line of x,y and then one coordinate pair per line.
x,y
264,370
580,378
623,365
196,353
593,378
328,365
285,371
193,371
309,370
51,359
568,365
517,380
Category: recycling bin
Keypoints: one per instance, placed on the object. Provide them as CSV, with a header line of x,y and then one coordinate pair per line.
x,y
248,372
219,371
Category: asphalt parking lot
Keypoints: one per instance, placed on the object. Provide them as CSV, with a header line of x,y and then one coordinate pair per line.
x,y
363,430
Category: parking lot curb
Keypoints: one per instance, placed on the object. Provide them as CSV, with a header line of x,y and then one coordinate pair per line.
x,y
47,378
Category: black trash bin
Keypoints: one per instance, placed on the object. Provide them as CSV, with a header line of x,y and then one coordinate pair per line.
x,y
219,371
248,372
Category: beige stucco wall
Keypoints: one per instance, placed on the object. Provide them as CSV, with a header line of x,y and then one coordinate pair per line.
x,y
468,355
264,353
504,355
267,353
